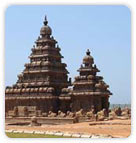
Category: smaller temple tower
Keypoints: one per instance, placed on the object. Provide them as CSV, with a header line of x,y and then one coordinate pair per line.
x,y
89,90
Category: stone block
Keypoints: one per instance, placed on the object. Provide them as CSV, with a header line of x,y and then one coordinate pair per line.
x,y
20,131
85,136
59,134
39,132
105,136
95,136
17,131
67,135
76,135
29,132
9,131
50,133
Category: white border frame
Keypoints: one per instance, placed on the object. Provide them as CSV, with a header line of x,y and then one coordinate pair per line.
x,y
4,4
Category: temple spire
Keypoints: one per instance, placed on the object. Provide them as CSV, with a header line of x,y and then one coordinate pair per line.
x,y
45,20
88,52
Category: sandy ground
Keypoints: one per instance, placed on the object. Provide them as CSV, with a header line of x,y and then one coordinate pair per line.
x,y
115,128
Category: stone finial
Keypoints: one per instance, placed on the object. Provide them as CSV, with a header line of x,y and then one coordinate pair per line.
x,y
88,59
95,66
52,37
38,37
45,20
88,52
70,81
57,46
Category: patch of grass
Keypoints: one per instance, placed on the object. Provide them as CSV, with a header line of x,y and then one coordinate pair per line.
x,y
27,135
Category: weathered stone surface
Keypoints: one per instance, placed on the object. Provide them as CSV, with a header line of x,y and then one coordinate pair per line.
x,y
85,136
9,131
45,114
89,90
45,75
51,114
29,132
39,132
61,114
17,131
59,134
126,112
70,114
42,88
34,121
105,136
118,111
76,135
79,113
95,136
50,133
67,135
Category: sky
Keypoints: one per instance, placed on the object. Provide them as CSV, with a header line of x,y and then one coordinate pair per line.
x,y
105,30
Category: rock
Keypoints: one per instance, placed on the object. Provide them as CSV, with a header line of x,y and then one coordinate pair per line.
x,y
50,133
76,135
58,134
95,136
34,122
105,136
39,132
28,132
9,131
67,135
17,131
85,136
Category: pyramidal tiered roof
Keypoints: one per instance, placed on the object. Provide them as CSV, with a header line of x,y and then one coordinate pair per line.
x,y
88,83
45,72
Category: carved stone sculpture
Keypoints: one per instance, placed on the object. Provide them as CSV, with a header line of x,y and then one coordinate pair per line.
x,y
61,114
51,114
70,114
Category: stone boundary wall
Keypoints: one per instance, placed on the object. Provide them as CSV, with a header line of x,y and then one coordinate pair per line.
x,y
40,120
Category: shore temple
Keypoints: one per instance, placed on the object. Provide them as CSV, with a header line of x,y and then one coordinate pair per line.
x,y
44,84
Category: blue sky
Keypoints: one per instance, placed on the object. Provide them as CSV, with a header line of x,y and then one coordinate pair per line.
x,y
105,30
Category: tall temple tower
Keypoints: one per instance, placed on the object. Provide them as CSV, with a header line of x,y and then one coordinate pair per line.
x,y
89,90
43,78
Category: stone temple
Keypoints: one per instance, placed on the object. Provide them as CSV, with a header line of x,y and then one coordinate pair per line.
x,y
44,87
